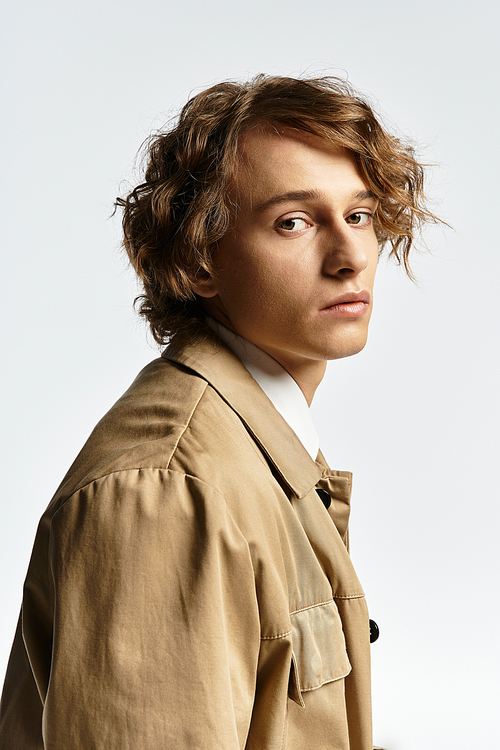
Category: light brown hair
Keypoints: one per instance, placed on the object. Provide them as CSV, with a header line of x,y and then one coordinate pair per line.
x,y
174,219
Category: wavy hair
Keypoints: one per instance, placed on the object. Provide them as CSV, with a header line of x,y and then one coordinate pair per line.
x,y
174,219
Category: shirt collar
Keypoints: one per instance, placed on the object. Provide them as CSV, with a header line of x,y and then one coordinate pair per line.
x,y
280,388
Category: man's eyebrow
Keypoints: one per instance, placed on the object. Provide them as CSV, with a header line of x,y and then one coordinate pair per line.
x,y
365,195
304,195
297,195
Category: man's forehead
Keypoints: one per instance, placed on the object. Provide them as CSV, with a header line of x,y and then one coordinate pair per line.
x,y
275,162
259,143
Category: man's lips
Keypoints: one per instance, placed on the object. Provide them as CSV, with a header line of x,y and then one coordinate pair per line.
x,y
349,304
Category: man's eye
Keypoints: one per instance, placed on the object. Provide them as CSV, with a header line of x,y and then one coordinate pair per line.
x,y
293,225
358,218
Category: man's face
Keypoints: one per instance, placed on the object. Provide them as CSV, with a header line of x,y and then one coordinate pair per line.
x,y
295,276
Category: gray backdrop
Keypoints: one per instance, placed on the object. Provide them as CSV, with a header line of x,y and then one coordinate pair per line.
x,y
414,416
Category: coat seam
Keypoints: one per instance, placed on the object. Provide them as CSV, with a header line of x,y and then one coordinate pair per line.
x,y
274,637
325,682
102,477
350,596
311,606
327,601
188,422
304,609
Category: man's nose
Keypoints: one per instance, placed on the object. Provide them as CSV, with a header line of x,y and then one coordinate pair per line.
x,y
345,255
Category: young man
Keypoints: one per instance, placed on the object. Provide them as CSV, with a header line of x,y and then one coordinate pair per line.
x,y
190,584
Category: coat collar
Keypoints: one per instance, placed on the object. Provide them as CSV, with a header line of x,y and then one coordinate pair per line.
x,y
277,384
216,364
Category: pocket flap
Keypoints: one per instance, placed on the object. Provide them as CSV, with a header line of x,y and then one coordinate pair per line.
x,y
319,650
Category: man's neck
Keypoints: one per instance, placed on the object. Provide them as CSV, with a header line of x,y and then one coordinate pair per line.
x,y
307,374
278,385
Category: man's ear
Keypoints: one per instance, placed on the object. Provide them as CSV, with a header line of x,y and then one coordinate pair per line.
x,y
204,286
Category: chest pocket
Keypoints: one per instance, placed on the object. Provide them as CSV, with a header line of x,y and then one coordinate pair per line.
x,y
319,650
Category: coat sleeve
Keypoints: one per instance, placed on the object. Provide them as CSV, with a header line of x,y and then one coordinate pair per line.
x,y
156,629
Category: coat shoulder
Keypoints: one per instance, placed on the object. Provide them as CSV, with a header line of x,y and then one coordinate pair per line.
x,y
142,430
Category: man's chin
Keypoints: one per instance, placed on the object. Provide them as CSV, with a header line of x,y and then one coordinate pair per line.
x,y
349,349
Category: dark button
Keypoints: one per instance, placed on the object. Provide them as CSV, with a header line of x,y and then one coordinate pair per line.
x,y
325,498
374,631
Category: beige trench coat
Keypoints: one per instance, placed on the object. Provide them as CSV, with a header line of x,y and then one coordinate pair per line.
x,y
188,589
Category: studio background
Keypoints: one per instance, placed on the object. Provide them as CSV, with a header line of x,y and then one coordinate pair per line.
x,y
414,416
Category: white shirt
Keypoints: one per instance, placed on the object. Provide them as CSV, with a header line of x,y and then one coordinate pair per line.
x,y
280,388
